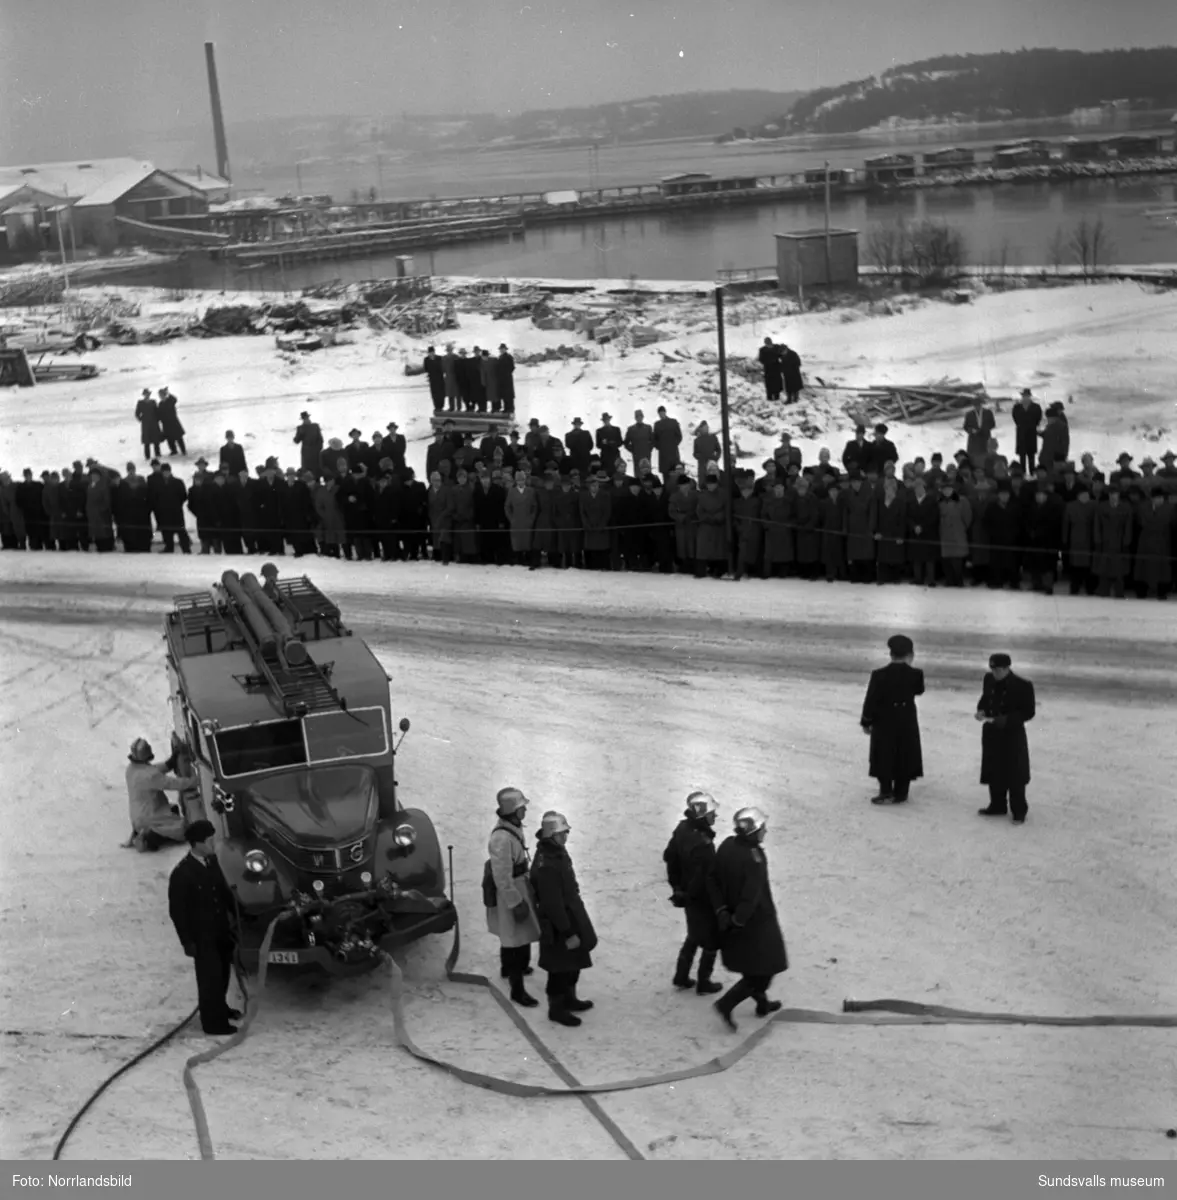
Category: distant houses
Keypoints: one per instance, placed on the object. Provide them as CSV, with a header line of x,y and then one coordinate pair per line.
x,y
97,205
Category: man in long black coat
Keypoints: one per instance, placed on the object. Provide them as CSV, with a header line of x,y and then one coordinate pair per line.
x,y
1027,416
435,369
751,941
309,437
1006,704
169,511
889,715
505,377
150,434
690,857
791,367
567,936
770,361
200,905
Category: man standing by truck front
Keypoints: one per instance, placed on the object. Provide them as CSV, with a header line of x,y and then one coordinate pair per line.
x,y
200,904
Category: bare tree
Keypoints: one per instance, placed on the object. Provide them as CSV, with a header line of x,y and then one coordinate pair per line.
x,y
1056,251
937,251
1080,244
885,246
1102,246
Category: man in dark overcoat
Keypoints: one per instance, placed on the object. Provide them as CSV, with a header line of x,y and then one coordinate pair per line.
x,y
505,378
1027,416
690,857
147,414
791,370
169,511
770,362
435,369
232,455
580,445
1006,704
308,436
889,715
567,937
751,941
201,906
169,423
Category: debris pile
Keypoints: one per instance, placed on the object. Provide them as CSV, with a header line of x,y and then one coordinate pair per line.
x,y
913,405
559,353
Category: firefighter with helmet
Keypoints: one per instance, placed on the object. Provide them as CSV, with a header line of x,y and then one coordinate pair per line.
x,y
567,937
751,941
153,821
510,906
689,859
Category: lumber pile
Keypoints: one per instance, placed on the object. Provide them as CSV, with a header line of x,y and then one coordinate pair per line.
x,y
913,405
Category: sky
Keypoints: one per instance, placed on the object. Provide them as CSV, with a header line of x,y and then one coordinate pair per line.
x,y
84,77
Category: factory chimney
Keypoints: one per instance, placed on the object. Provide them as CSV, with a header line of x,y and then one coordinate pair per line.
x,y
214,93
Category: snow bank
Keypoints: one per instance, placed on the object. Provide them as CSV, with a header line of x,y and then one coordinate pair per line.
x,y
1105,351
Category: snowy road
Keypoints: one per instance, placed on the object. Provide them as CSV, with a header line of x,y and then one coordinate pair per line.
x,y
610,698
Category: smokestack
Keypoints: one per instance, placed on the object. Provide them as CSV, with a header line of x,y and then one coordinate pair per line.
x,y
214,93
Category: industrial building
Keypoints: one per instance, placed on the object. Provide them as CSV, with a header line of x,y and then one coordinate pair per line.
x,y
695,183
100,204
951,158
889,168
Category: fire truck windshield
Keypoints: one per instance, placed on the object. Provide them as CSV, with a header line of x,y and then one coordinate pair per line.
x,y
320,806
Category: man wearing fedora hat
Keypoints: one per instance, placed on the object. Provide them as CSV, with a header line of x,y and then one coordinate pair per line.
x,y
1027,416
1168,472
609,439
1005,706
309,438
393,446
889,716
150,434
579,444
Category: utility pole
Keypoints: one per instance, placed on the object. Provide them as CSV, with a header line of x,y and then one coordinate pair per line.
x,y
61,241
728,508
298,172
829,272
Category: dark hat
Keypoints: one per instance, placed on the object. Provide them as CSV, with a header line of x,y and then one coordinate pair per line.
x,y
712,477
600,476
937,457
354,433
1000,660
303,415
881,429
853,474
900,646
392,425
534,421
95,469
271,463
202,462
199,831
860,429
661,407
1068,468
1168,456
1004,488
606,416
1125,457
577,421
684,479
1026,392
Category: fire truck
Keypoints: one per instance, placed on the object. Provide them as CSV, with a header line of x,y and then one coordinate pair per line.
x,y
286,718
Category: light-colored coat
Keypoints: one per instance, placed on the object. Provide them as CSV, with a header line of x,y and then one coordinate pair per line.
x,y
508,850
146,784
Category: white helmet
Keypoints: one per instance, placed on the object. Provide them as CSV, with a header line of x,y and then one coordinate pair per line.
x,y
750,820
510,800
552,823
701,804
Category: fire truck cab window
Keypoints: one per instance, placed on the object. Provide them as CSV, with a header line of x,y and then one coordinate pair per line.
x,y
353,734
261,748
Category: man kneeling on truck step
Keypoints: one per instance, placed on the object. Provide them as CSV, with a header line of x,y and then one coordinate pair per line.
x,y
200,904
153,822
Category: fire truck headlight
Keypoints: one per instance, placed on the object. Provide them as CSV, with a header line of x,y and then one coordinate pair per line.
x,y
256,863
404,836
366,878
318,885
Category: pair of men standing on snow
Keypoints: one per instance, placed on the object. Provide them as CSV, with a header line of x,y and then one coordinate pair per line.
x,y
896,757
537,901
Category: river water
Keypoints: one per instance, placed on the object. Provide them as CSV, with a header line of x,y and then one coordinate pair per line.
x,y
1010,223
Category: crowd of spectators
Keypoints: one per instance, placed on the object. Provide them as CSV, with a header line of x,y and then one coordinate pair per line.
x,y
637,500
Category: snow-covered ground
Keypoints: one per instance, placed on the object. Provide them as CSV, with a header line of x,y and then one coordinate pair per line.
x,y
1106,351
610,698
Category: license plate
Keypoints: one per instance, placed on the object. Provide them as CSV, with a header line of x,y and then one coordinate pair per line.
x,y
283,956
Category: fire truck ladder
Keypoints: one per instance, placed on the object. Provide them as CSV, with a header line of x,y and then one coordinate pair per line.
x,y
201,624
284,664
308,605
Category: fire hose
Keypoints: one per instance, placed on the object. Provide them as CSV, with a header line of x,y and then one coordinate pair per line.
x,y
885,1012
